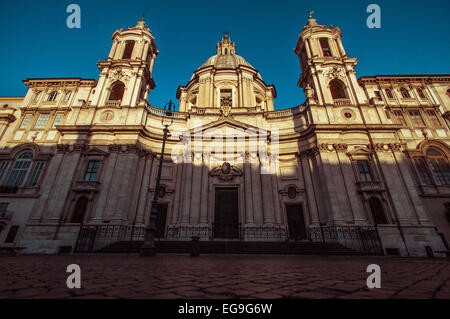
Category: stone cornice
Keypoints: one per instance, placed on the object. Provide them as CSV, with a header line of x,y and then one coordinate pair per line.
x,y
405,78
357,127
57,82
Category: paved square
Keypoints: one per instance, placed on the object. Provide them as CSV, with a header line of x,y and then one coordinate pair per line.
x,y
222,277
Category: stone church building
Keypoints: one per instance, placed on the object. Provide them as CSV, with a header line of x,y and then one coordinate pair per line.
x,y
362,162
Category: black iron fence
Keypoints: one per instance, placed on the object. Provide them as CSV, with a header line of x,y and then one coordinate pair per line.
x,y
94,238
364,239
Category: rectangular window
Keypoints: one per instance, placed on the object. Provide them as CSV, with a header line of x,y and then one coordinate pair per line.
x,y
3,208
42,121
226,97
365,174
3,167
25,121
416,119
37,96
57,120
325,45
398,117
440,170
422,170
377,95
91,171
35,173
388,114
12,234
433,119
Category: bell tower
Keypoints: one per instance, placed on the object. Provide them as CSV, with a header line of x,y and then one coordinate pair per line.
x,y
126,75
328,76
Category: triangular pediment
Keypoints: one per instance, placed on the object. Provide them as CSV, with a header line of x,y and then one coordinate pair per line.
x,y
360,152
94,151
228,126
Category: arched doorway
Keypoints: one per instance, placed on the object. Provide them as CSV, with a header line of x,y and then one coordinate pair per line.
x,y
79,210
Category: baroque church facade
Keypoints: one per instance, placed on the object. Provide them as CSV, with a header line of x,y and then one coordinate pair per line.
x,y
362,160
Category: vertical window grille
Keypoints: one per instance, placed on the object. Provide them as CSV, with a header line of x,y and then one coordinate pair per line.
x,y
25,121
20,169
91,171
58,119
365,174
42,121
35,173
416,119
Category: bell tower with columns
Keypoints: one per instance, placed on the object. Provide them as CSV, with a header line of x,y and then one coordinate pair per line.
x,y
328,74
126,75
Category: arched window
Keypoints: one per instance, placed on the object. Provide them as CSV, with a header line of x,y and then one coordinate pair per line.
x,y
338,90
439,166
20,169
129,46
325,46
420,93
389,94
117,91
52,96
67,96
376,208
79,210
405,93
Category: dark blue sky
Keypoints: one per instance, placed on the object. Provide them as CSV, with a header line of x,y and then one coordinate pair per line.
x,y
35,41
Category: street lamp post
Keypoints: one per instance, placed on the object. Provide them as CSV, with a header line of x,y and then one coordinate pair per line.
x,y
148,248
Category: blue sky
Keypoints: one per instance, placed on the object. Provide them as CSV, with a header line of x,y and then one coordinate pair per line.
x,y
37,43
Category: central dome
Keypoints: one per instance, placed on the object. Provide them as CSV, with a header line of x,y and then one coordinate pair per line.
x,y
226,61
226,80
226,57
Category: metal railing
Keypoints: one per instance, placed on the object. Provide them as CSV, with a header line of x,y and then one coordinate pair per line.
x,y
94,238
364,239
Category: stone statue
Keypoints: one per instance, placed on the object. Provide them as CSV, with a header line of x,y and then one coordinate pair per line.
x,y
309,92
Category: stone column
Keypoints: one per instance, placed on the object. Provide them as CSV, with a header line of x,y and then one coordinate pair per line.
x,y
48,184
185,209
266,186
408,181
196,188
211,90
144,197
256,189
309,188
334,184
176,210
248,191
205,190
341,47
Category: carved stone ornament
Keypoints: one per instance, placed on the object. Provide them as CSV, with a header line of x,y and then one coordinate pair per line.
x,y
226,172
62,148
334,73
309,92
225,110
114,148
120,75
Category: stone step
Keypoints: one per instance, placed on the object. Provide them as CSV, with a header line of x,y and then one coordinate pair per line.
x,y
235,247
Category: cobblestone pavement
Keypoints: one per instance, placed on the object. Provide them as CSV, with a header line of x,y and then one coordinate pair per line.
x,y
222,277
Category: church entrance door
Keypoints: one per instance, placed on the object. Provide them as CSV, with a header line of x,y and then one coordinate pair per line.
x,y
296,222
161,220
226,221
